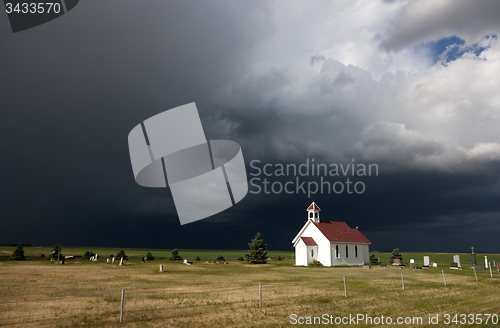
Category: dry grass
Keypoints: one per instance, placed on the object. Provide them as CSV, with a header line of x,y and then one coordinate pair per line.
x,y
374,292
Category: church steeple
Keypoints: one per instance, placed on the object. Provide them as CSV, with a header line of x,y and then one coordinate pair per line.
x,y
313,212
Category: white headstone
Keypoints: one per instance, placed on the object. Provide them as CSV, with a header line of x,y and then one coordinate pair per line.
x,y
456,259
113,260
426,261
121,261
185,261
107,260
95,259
412,261
486,262
434,265
161,267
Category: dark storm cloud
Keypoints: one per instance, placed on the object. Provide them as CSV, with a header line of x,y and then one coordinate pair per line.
x,y
71,94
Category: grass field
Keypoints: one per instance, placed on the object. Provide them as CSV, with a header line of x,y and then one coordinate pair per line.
x,y
218,295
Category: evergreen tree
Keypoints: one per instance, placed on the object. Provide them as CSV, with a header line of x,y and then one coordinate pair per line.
x,y
257,253
197,258
373,259
18,254
121,254
396,255
149,256
175,256
57,251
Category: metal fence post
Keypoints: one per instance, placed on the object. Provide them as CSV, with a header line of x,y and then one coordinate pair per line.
x,y
402,281
121,311
260,294
444,279
345,288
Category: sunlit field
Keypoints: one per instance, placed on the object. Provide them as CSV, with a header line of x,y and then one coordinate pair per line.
x,y
43,293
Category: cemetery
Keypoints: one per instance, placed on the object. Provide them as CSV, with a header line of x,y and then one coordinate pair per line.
x,y
87,292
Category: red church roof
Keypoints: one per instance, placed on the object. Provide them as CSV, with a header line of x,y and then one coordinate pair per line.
x,y
313,206
340,231
309,241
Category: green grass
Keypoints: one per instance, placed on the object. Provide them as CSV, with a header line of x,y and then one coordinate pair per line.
x,y
36,251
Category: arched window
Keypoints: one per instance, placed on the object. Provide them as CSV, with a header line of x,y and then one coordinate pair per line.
x,y
356,251
337,254
311,214
312,252
346,251
316,215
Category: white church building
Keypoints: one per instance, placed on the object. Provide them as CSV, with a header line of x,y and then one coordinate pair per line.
x,y
330,242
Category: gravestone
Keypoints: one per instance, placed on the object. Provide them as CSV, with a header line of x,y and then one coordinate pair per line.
x,y
454,265
413,265
95,258
412,261
480,268
383,265
113,260
456,259
434,264
364,266
498,265
426,261
121,261
107,260
396,262
486,262
161,267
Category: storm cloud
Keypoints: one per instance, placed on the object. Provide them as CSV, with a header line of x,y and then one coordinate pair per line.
x,y
288,81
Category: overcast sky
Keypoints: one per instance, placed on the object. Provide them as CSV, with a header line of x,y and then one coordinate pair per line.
x,y
413,87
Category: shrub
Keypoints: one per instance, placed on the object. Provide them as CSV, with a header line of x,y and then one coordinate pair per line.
x,y
121,254
240,258
150,256
220,258
197,258
88,255
316,263
257,253
18,254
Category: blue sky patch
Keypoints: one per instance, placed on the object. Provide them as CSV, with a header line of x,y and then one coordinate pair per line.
x,y
450,48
